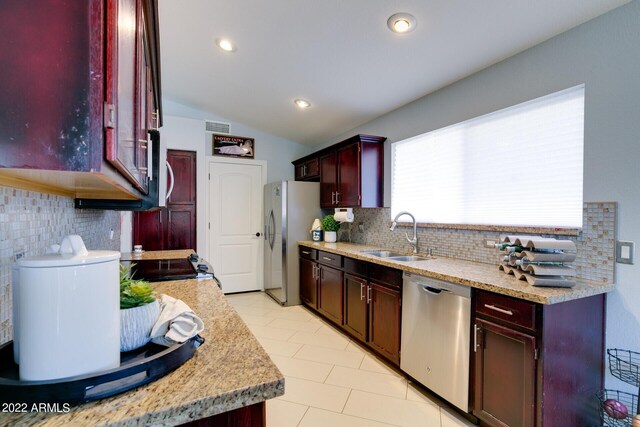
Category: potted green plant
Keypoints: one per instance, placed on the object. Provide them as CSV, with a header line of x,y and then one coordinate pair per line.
x,y
139,310
330,227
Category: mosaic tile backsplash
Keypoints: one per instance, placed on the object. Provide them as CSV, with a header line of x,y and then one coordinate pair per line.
x,y
595,243
30,222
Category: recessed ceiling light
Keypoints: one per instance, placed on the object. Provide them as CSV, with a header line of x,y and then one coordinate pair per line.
x,y
301,103
401,23
226,45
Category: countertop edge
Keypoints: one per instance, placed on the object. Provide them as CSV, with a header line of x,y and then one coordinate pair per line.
x,y
541,295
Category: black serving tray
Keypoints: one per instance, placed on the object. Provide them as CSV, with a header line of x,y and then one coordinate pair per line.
x,y
137,367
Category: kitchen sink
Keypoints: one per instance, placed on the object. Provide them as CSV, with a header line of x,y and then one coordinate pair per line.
x,y
409,258
383,254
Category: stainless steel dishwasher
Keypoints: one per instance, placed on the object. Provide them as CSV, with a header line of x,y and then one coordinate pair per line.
x,y
436,327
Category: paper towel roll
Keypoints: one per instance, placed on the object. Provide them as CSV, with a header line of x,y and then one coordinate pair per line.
x,y
343,216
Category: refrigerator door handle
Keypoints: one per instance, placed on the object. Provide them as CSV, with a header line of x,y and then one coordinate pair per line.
x,y
272,235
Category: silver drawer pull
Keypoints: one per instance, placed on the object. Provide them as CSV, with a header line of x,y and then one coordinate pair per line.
x,y
326,258
306,252
500,310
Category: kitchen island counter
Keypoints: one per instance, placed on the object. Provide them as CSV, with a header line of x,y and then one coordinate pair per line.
x,y
468,273
229,371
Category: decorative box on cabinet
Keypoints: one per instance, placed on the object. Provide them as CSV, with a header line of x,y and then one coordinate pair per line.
x,y
80,94
537,365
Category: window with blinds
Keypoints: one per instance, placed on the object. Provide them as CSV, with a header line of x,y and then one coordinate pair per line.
x,y
520,166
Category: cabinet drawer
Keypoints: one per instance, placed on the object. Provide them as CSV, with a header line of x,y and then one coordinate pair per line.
x,y
512,310
385,275
330,259
308,253
356,267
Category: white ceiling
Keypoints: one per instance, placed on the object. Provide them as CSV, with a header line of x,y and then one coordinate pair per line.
x,y
340,55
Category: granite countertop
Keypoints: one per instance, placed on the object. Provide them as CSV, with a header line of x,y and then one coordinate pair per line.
x,y
132,256
230,370
473,274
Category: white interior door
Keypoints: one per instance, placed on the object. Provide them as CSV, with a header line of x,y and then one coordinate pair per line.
x,y
235,217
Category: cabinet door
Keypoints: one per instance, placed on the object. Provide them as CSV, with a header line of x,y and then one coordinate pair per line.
x,y
349,176
328,180
384,321
356,313
504,376
299,172
311,169
330,293
149,229
308,282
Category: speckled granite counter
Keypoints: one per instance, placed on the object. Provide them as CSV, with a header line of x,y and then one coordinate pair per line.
x,y
229,371
474,274
180,253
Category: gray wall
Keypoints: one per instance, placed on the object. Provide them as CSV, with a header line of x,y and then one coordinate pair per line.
x,y
605,55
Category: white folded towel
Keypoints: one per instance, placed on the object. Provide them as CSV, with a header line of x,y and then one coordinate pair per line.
x,y
176,324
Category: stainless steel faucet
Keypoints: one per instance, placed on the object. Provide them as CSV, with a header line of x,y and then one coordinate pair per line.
x,y
413,241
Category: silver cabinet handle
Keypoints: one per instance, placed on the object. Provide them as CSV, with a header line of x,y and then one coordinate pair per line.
x,y
333,197
313,272
337,197
361,291
170,190
306,252
500,310
475,338
368,294
326,258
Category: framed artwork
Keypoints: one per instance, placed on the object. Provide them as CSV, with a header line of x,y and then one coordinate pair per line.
x,y
233,146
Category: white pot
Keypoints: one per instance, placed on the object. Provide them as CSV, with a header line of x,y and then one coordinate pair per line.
x,y
136,324
330,236
66,319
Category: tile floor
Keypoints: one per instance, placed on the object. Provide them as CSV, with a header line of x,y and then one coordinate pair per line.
x,y
330,381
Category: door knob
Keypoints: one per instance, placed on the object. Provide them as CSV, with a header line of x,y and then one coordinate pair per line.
x,y
258,234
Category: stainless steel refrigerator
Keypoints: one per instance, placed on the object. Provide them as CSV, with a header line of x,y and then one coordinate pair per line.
x,y
289,208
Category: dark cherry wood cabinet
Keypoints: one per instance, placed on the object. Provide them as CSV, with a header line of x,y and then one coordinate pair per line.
x,y
384,320
350,172
173,226
362,298
537,365
330,293
309,282
307,170
80,90
356,306
505,375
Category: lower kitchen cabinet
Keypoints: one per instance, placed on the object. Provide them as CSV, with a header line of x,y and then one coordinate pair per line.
x,y
385,315
505,369
330,293
356,307
537,365
308,282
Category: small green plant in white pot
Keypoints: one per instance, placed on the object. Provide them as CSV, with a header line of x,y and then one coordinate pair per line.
x,y
330,227
139,310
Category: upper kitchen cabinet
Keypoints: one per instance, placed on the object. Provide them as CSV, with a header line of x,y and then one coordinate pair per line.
x,y
79,93
307,169
350,172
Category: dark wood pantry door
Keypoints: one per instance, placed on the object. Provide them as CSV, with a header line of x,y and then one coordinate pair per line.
x,y
173,226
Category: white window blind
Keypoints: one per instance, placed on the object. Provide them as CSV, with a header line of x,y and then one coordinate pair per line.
x,y
520,166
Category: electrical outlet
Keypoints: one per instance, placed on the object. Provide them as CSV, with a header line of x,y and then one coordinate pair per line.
x,y
624,252
361,227
490,243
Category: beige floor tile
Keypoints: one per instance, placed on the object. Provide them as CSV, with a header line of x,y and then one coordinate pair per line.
x,y
269,332
292,314
335,342
257,310
256,320
331,356
373,382
304,369
391,410
450,419
297,325
414,394
328,330
318,395
281,413
355,348
370,363
321,418
282,348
